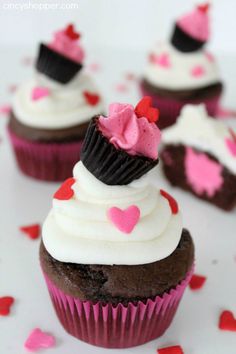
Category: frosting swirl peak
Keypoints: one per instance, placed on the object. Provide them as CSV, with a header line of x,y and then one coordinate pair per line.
x,y
130,132
66,43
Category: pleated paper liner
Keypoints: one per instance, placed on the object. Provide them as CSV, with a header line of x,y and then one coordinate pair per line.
x,y
117,326
45,161
110,165
170,108
55,65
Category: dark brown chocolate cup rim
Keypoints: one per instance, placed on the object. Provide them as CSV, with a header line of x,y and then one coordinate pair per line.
x,y
55,65
184,42
110,165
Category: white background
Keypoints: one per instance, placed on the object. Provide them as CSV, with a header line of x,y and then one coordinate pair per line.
x,y
116,35
114,23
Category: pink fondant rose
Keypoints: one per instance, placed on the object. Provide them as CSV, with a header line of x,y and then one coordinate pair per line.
x,y
66,43
131,130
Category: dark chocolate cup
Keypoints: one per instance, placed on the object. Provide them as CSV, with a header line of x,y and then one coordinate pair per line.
x,y
183,42
110,165
55,65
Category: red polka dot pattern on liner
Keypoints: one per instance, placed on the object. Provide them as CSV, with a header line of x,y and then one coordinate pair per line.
x,y
197,282
176,349
5,305
172,202
65,192
32,231
227,321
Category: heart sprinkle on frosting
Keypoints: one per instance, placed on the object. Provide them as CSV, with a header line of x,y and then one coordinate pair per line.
x,y
71,33
144,109
162,60
39,92
5,305
227,322
124,220
203,7
172,202
198,71
197,282
65,192
176,349
39,340
91,98
32,231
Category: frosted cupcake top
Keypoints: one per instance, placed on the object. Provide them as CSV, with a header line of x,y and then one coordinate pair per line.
x,y
45,103
194,128
183,63
60,94
95,223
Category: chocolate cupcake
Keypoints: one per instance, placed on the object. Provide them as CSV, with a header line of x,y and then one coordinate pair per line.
x,y
50,113
116,258
182,71
199,156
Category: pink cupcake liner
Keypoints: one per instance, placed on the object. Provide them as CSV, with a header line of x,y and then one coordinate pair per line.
x,y
45,161
117,326
170,108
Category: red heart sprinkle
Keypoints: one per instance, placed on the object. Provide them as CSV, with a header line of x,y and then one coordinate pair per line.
x,y
71,33
227,322
204,7
176,349
197,282
33,231
172,202
5,305
91,98
144,109
65,192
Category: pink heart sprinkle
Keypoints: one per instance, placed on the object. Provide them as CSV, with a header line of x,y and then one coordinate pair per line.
x,y
5,109
210,57
223,112
231,145
124,220
162,60
39,340
198,71
27,61
39,92
12,88
94,67
121,88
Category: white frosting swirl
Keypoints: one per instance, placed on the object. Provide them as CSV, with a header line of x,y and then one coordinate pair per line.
x,y
79,231
64,107
175,73
196,129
